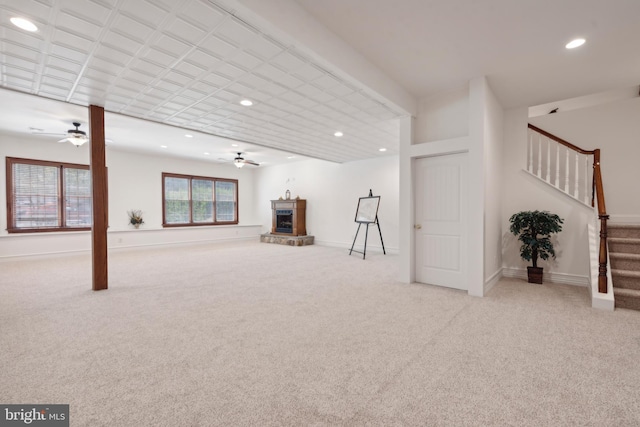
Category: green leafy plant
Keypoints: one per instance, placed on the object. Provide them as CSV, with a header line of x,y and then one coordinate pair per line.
x,y
534,229
135,217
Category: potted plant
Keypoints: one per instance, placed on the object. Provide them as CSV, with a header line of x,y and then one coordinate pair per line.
x,y
534,229
135,217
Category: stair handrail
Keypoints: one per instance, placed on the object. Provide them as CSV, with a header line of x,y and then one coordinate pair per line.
x,y
597,194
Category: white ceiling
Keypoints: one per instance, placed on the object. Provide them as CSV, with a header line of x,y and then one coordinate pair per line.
x,y
429,46
188,63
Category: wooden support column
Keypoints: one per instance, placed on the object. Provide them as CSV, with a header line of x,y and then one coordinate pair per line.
x,y
99,198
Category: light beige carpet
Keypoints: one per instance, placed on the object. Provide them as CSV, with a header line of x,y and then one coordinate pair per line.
x,y
253,334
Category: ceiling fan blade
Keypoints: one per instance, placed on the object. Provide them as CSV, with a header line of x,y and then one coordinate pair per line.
x,y
251,162
64,140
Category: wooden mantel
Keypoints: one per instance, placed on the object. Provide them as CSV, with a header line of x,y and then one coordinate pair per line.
x,y
281,223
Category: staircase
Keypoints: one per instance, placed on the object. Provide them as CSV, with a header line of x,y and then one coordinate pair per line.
x,y
624,253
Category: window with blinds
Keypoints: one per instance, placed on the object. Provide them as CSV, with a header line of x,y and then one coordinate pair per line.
x,y
47,196
195,200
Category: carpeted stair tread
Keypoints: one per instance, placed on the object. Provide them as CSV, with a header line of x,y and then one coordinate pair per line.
x,y
624,231
625,273
624,255
627,298
628,245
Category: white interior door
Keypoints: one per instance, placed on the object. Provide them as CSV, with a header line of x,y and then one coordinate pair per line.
x,y
441,221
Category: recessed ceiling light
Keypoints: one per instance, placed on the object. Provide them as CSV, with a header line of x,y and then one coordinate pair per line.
x,y
246,103
338,133
234,145
206,154
291,157
163,146
382,149
575,43
24,24
188,135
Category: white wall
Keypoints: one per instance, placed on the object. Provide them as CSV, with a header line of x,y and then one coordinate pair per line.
x,y
443,116
524,192
493,172
332,191
135,182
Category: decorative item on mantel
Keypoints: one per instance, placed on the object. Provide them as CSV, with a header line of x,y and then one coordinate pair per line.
x,y
287,195
135,217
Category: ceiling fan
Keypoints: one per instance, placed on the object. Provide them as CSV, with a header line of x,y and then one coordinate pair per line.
x,y
239,161
74,136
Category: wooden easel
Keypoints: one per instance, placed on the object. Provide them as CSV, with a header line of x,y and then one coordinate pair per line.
x,y
367,220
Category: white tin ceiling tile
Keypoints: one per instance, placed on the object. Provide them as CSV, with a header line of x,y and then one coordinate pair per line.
x,y
314,93
20,63
107,74
159,58
137,77
253,81
325,82
182,100
236,32
72,40
121,42
53,92
230,71
70,66
204,87
83,90
202,59
190,70
19,73
23,39
185,31
177,77
218,47
60,74
265,47
257,96
171,46
68,53
21,51
216,80
361,101
168,86
193,94
340,90
76,25
146,67
118,99
147,11
112,55
132,28
110,105
202,13
273,89
35,10
16,82
239,89
130,85
289,62
136,111
85,10
158,93
307,103
245,60
291,97
309,72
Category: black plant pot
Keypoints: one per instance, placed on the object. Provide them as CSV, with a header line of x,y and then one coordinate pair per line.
x,y
535,274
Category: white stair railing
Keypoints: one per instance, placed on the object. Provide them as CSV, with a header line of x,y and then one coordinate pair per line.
x,y
560,166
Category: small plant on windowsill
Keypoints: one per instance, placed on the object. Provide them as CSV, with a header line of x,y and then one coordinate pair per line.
x,y
135,217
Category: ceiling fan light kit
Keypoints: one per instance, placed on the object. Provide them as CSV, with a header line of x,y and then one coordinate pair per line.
x,y
240,161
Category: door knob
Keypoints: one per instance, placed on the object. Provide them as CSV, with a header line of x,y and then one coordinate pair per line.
x,y
417,226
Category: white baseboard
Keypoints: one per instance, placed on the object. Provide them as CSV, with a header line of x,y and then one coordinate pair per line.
x,y
560,278
492,280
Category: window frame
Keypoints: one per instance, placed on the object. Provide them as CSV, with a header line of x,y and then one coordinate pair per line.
x,y
191,223
11,220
